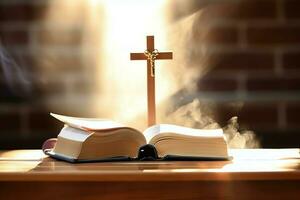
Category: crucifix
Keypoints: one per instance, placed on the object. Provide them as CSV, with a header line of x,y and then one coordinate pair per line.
x,y
151,54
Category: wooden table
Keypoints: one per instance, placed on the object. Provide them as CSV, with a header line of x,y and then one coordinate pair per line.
x,y
252,174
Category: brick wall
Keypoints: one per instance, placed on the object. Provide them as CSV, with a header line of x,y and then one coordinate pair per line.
x,y
254,61
254,49
51,65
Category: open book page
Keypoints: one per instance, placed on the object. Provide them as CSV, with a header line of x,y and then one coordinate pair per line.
x,y
73,133
88,123
152,131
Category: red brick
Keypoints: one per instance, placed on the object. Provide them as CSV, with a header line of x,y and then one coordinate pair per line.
x,y
18,37
15,12
293,110
65,63
225,111
27,63
51,88
258,116
210,83
57,37
240,10
273,35
21,12
8,95
251,115
292,8
10,121
40,120
291,60
216,35
84,86
274,84
242,61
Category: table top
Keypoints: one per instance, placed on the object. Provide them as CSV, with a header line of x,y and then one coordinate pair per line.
x,y
247,164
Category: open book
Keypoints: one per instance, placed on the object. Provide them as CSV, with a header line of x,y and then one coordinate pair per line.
x,y
89,139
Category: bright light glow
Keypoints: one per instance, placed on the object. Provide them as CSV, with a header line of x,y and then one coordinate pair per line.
x,y
20,160
111,30
123,82
22,155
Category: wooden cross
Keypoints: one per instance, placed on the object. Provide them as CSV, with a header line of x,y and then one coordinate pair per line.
x,y
151,54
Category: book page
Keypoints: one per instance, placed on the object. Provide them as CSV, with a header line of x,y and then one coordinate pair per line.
x,y
74,134
152,131
87,123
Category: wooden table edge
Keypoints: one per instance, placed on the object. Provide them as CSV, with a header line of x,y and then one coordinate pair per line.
x,y
151,176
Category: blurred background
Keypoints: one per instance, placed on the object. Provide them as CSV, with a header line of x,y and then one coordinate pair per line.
x,y
233,57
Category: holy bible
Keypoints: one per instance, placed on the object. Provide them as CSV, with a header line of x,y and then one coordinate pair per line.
x,y
88,139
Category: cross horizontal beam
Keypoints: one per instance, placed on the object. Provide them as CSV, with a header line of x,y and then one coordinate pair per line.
x,y
160,56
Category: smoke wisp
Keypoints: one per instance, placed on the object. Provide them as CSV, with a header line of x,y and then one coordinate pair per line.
x,y
196,115
121,84
15,76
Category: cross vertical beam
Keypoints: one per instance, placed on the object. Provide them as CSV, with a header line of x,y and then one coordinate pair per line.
x,y
150,86
151,74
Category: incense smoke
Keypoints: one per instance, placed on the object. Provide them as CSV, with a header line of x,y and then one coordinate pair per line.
x,y
189,34
16,77
120,93
237,138
197,115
